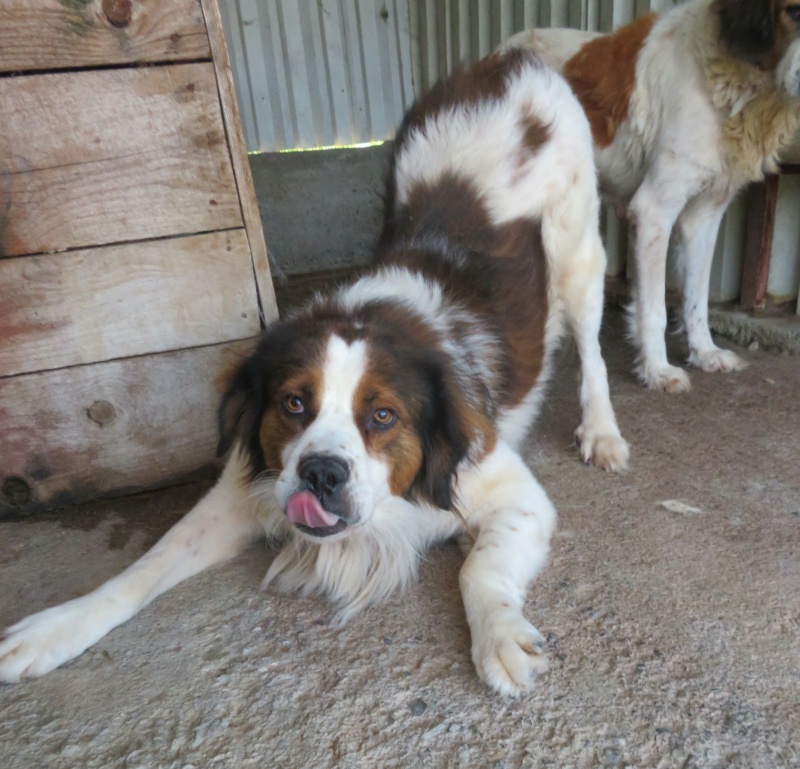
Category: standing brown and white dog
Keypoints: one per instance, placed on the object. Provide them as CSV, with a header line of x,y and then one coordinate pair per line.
x,y
387,416
686,108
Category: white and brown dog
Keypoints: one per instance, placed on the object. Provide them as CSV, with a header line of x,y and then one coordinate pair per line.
x,y
686,108
387,416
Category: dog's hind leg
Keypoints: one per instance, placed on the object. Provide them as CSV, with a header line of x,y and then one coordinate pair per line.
x,y
221,525
582,289
576,263
696,231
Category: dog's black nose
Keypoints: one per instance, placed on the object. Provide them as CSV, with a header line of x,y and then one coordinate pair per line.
x,y
323,474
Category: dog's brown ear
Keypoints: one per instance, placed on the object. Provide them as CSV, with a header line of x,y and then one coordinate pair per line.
x,y
250,386
445,441
241,406
746,27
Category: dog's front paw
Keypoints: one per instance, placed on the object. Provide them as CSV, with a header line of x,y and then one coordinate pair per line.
x,y
507,653
724,361
609,452
42,642
669,379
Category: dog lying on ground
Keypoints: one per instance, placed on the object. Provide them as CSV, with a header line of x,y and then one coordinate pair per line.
x,y
387,416
686,108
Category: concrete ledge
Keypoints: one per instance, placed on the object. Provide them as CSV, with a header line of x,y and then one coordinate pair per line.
x,y
780,334
778,331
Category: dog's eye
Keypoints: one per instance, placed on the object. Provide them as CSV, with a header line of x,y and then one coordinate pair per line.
x,y
293,405
383,418
793,12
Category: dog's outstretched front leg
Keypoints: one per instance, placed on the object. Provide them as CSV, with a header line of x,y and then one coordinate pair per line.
x,y
221,525
513,520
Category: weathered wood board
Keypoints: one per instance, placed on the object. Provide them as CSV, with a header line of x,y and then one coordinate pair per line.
x,y
90,158
109,428
241,166
61,34
60,310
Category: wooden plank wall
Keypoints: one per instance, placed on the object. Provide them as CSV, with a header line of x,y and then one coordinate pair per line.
x,y
131,270
62,34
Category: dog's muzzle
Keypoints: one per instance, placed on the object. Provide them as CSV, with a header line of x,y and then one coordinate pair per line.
x,y
322,505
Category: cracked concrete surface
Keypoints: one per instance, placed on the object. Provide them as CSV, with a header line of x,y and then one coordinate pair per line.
x,y
672,629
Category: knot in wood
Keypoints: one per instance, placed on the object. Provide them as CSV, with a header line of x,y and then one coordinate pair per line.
x,y
101,412
118,12
16,491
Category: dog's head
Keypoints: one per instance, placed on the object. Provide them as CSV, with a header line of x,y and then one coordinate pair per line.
x,y
343,413
766,33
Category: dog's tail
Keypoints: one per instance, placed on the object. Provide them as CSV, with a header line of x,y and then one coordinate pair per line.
x,y
554,46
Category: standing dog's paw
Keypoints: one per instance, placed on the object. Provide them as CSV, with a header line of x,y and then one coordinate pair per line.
x,y
669,379
717,360
508,653
42,642
609,452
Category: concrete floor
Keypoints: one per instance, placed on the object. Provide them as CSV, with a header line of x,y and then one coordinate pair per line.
x,y
672,631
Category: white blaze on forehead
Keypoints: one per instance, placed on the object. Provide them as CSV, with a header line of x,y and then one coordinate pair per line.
x,y
334,430
344,366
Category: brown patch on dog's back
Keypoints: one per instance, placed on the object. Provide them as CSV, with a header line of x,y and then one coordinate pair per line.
x,y
486,81
535,133
525,317
451,207
603,74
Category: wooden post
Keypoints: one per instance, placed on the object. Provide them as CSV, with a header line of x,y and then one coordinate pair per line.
x,y
763,198
241,166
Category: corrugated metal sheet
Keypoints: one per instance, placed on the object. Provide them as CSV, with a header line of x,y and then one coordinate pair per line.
x,y
313,73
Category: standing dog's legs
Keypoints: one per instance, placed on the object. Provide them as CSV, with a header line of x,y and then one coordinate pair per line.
x,y
221,525
514,520
697,229
582,289
652,213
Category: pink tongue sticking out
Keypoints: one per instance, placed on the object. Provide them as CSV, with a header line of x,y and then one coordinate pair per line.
x,y
304,508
